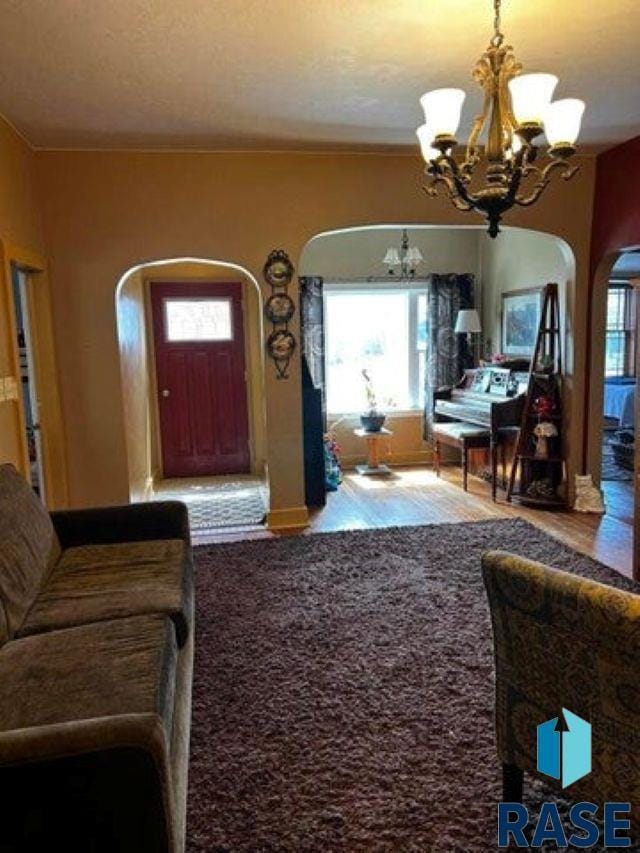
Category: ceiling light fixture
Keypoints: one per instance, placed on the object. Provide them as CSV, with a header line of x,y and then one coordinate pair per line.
x,y
408,258
517,109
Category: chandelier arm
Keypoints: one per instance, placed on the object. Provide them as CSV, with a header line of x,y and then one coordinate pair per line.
x,y
440,177
458,179
544,181
478,126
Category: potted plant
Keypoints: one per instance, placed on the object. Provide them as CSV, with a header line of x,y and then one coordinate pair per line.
x,y
373,419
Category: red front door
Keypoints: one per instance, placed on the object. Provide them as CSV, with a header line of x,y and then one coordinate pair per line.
x,y
200,368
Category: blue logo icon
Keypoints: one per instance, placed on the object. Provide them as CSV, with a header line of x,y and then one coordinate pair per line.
x,y
564,748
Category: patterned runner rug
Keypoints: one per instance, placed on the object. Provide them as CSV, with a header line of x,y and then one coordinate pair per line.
x,y
215,502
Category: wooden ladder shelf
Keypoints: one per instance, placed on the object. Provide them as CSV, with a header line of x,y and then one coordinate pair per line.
x,y
539,466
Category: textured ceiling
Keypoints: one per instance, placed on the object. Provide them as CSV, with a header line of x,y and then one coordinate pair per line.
x,y
267,74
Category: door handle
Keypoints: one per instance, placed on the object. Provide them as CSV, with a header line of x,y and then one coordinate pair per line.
x,y
165,392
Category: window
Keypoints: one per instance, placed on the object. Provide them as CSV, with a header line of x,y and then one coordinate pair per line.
x,y
620,343
198,320
382,330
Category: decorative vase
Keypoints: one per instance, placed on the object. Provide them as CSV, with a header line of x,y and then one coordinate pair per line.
x,y
372,423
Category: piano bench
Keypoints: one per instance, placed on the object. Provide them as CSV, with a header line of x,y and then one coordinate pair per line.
x,y
463,436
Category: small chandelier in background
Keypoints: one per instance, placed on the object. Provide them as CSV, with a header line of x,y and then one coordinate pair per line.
x,y
408,258
517,109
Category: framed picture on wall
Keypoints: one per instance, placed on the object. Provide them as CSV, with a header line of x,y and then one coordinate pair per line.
x,y
521,311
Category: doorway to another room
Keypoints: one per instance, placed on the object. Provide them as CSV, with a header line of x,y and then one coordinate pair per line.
x,y
201,378
28,379
620,381
190,346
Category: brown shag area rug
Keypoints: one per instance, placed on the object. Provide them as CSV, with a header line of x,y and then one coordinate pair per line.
x,y
343,693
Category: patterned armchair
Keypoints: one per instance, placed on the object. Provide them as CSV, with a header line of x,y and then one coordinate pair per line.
x,y
562,641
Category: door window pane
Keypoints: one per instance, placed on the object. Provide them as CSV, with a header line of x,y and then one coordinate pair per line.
x,y
198,320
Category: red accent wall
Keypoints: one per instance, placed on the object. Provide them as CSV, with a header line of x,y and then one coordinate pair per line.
x,y
616,211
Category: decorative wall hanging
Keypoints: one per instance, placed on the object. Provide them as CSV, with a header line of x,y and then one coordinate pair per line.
x,y
278,270
279,309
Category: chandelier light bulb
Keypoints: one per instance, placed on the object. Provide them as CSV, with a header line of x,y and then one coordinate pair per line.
x,y
531,95
562,121
425,137
442,108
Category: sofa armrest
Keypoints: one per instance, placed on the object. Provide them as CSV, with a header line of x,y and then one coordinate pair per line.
x,y
129,523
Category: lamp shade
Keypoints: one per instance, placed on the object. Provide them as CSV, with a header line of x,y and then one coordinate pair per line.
x,y
530,96
426,136
467,321
442,108
414,255
392,258
562,121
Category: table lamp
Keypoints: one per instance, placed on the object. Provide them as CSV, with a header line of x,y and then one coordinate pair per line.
x,y
468,322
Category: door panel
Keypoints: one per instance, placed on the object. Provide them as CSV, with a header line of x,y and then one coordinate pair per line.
x,y
200,366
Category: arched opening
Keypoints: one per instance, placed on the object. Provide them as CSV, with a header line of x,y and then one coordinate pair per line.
x,y
613,388
353,266
192,374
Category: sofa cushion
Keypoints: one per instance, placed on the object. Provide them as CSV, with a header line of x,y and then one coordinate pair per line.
x,y
29,549
95,582
121,666
95,686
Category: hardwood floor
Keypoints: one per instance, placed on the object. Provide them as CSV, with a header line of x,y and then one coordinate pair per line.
x,y
618,497
417,496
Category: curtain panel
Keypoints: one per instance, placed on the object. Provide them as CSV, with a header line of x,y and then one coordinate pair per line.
x,y
447,354
312,328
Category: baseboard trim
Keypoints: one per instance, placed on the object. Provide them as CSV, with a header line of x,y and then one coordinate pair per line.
x,y
295,518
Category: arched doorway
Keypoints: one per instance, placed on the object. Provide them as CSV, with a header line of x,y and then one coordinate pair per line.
x,y
352,261
613,391
193,385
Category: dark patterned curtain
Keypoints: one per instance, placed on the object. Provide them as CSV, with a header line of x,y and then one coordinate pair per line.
x,y
447,353
312,329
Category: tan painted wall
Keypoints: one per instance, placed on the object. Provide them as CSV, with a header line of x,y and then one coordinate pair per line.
x,y
108,211
523,259
137,363
134,366
360,253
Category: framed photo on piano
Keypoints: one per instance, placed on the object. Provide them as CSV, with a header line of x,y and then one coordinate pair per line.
x,y
521,311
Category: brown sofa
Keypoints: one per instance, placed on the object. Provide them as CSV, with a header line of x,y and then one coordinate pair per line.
x,y
96,653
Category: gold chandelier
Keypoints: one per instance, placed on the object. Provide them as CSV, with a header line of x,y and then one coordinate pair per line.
x,y
517,109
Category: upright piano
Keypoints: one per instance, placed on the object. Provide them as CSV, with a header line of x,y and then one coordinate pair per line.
x,y
491,397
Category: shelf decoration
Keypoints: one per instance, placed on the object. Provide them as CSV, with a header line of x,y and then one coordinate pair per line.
x,y
279,309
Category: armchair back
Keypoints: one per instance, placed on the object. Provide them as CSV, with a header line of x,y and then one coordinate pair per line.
x,y
562,641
